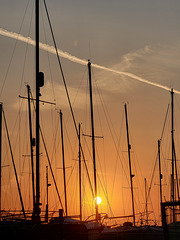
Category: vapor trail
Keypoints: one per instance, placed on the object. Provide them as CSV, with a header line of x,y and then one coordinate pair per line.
x,y
68,56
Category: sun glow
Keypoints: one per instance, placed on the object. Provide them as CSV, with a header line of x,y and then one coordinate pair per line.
x,y
99,200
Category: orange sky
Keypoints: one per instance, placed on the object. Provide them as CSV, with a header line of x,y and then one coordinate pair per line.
x,y
136,37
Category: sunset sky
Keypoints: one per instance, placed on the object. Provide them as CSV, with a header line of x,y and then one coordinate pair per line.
x,y
140,37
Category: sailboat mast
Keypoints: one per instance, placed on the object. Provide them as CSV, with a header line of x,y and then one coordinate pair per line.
x,y
80,191
47,195
93,139
0,152
130,170
31,145
172,139
160,174
64,171
146,201
39,83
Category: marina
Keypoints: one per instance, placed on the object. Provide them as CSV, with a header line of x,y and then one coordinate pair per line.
x,y
68,170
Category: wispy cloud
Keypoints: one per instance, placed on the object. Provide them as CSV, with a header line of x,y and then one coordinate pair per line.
x,y
159,64
82,61
129,58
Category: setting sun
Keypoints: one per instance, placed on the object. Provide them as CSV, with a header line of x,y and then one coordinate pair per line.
x,y
99,200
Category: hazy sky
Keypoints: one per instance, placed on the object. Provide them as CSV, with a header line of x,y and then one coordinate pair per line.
x,y
141,37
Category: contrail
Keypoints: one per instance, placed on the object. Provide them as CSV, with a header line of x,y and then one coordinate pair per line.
x,y
68,56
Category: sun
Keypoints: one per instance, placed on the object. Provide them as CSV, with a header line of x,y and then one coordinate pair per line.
x,y
99,200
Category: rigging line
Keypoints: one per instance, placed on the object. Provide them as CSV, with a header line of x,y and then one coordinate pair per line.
x,y
59,61
48,55
118,144
106,116
105,193
5,78
66,136
102,186
157,154
176,126
6,183
50,167
18,133
49,161
154,213
104,180
69,142
15,172
164,122
24,141
67,93
165,167
19,130
100,97
24,61
156,160
136,166
78,88
53,146
54,135
54,150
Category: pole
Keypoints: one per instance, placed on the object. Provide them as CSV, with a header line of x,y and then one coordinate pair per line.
x,y
172,139
37,205
47,185
177,181
47,197
160,174
93,139
130,171
64,171
31,146
146,201
0,152
80,197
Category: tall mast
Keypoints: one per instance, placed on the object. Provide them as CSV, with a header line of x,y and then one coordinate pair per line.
x,y
0,152
93,139
39,83
80,197
47,202
160,174
130,171
31,145
37,206
47,195
172,141
64,171
146,201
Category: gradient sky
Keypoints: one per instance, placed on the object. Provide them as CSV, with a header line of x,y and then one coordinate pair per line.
x,y
136,36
